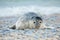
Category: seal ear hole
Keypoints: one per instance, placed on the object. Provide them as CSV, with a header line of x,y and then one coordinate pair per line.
x,y
32,17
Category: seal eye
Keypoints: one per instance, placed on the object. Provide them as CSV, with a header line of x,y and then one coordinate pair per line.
x,y
40,22
34,22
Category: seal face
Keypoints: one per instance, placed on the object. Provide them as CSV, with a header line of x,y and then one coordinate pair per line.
x,y
37,22
28,21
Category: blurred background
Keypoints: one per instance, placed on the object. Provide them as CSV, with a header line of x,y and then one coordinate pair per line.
x,y
18,7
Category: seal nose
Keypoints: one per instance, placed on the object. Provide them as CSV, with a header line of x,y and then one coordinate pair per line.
x,y
37,25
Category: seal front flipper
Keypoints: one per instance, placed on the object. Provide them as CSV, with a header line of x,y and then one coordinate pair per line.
x,y
13,27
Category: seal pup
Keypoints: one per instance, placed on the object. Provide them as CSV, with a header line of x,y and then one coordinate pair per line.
x,y
29,20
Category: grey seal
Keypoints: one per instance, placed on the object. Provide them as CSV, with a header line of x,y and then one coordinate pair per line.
x,y
29,20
